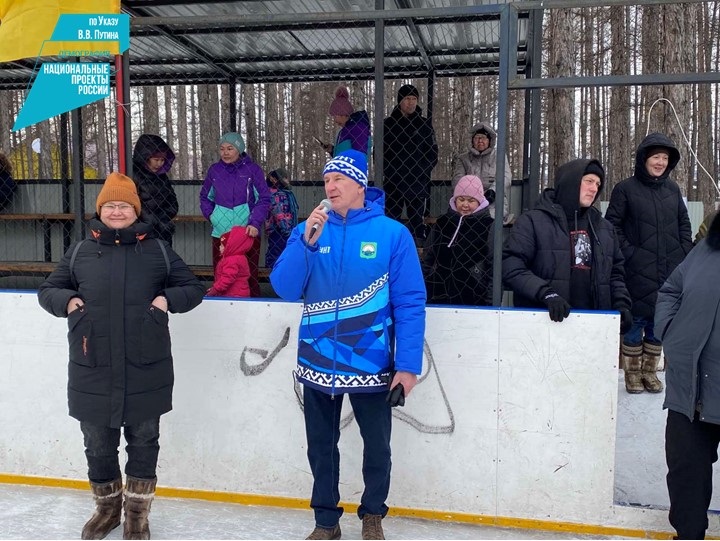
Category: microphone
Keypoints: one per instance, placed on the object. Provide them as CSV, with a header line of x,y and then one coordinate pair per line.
x,y
327,205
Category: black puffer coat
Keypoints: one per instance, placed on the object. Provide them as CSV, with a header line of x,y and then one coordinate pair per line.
x,y
457,259
537,254
686,322
121,367
158,198
652,225
410,152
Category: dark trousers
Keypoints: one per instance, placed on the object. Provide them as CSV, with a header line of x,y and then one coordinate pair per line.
x,y
101,450
640,326
322,427
253,257
690,451
417,208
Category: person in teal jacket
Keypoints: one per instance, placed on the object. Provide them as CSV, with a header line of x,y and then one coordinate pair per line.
x,y
361,332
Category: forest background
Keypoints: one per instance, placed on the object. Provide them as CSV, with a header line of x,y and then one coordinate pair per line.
x,y
279,120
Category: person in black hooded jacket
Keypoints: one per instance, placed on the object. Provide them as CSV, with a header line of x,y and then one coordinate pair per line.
x,y
653,227
563,254
116,290
152,159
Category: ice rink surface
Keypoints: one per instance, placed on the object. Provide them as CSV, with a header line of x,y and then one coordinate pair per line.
x,y
29,512
36,512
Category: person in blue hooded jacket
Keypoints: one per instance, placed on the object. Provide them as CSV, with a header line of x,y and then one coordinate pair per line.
x,y
363,324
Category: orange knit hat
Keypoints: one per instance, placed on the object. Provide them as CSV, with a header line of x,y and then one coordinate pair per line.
x,y
118,187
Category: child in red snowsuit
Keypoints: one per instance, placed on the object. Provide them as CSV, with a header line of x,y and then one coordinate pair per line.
x,y
233,271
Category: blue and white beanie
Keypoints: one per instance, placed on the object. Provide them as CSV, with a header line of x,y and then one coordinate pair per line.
x,y
352,164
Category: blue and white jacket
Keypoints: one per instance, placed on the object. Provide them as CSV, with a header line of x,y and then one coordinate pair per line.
x,y
364,300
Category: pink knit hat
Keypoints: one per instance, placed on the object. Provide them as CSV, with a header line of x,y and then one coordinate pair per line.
x,y
470,186
341,105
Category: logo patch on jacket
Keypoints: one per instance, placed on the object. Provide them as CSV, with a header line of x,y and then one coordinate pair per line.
x,y
368,250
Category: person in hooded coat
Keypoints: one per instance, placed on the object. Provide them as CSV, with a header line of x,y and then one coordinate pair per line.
x,y
152,159
116,289
563,254
653,227
457,257
232,276
481,160
686,322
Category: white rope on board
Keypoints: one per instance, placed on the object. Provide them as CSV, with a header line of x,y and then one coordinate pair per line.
x,y
687,142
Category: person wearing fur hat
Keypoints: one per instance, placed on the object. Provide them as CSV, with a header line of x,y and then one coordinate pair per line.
x,y
481,160
652,224
563,254
283,215
686,322
235,193
410,152
233,272
152,159
359,276
354,125
116,289
457,257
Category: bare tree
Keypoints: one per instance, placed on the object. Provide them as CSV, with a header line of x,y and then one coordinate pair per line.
x,y
183,150
151,113
209,119
561,102
619,141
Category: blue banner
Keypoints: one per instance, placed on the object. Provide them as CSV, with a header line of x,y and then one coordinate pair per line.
x,y
63,86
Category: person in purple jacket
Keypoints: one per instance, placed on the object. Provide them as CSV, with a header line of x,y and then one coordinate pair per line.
x,y
354,126
235,193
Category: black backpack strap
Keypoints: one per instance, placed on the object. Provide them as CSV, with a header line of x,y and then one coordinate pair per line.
x,y
72,263
167,260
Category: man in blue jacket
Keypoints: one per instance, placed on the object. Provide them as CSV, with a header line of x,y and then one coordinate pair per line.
x,y
361,332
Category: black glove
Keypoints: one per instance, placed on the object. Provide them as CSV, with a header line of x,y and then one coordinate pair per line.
x,y
557,306
490,196
626,320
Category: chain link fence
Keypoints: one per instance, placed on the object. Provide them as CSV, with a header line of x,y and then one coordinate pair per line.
x,y
202,149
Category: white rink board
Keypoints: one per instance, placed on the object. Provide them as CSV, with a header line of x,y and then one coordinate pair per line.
x,y
524,429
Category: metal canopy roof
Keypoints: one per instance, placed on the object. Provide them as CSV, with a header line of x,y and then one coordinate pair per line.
x,y
184,42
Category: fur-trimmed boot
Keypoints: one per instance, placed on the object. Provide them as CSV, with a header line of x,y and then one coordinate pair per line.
x,y
632,359
139,494
651,358
108,509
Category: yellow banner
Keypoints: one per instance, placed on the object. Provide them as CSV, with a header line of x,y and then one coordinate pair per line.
x,y
25,25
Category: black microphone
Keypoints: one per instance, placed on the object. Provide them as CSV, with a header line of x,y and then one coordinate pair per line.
x,y
327,205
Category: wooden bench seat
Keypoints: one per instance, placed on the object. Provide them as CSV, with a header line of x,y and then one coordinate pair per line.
x,y
43,268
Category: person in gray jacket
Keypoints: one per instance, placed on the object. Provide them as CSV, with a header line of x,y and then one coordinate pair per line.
x,y
481,161
686,321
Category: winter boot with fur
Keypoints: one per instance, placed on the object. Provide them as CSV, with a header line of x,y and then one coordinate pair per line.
x,y
651,358
632,360
139,494
108,509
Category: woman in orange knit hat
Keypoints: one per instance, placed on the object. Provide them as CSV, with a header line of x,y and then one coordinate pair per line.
x,y
115,290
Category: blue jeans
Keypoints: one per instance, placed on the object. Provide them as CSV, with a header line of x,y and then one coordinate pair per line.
x,y
634,337
322,427
101,450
